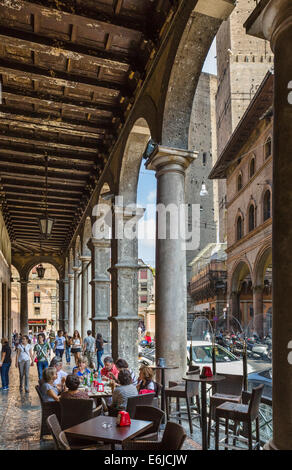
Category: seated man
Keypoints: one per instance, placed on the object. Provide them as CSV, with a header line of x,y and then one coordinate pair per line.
x,y
109,370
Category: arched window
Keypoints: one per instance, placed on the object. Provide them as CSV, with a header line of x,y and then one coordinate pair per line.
x,y
239,182
252,167
239,228
267,205
268,148
251,218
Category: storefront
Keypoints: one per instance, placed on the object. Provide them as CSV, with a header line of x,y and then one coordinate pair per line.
x,y
36,326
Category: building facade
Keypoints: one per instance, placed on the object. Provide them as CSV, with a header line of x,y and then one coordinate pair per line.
x,y
43,300
246,164
145,290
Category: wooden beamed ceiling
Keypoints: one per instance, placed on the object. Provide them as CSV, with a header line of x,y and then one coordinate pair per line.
x,y
69,72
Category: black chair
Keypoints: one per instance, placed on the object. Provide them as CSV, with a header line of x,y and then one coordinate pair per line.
x,y
76,410
230,390
48,408
187,391
149,413
140,400
173,439
74,443
240,413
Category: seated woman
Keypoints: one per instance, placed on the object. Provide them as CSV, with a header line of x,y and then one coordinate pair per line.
x,y
49,391
72,383
145,380
125,390
82,367
122,364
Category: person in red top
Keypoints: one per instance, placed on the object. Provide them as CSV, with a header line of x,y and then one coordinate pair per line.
x,y
109,370
148,337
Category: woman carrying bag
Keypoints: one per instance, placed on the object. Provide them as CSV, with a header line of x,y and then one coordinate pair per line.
x,y
24,360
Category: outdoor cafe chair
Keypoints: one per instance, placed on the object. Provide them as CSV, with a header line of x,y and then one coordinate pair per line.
x,y
77,410
172,440
74,444
149,413
48,408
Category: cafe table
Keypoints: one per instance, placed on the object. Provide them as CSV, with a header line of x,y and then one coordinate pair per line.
x,y
204,381
104,428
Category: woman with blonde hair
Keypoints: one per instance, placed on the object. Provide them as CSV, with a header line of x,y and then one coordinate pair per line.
x,y
145,380
49,391
76,346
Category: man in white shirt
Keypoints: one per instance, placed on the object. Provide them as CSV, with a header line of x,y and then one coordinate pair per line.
x,y
60,344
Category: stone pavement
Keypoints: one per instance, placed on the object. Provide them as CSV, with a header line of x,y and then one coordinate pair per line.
x,y
20,417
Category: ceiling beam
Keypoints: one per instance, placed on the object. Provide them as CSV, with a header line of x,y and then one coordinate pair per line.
x,y
68,50
51,197
62,79
80,15
70,176
11,136
40,179
29,185
54,168
57,161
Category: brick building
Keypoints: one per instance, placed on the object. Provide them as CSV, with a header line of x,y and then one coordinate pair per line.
x,y
246,163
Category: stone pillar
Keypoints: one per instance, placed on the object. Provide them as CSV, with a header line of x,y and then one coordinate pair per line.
x,y
71,305
171,289
60,284
23,307
85,320
77,313
100,283
235,306
258,315
274,22
66,304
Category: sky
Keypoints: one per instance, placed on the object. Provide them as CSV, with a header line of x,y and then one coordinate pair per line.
x,y
147,190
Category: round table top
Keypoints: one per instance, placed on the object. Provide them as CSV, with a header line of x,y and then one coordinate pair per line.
x,y
197,378
166,367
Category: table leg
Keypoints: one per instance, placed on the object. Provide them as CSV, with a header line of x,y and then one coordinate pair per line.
x,y
204,415
163,393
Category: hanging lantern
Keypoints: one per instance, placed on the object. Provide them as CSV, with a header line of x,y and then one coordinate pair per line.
x,y
41,271
46,226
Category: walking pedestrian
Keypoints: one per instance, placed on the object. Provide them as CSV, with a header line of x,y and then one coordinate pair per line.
x,y
76,346
89,349
99,349
41,353
52,339
24,359
60,344
5,363
68,344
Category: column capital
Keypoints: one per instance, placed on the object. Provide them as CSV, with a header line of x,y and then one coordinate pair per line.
x,y
23,281
85,259
70,276
168,159
101,243
76,269
268,20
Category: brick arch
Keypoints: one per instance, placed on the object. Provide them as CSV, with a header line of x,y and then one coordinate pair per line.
x,y
262,261
239,272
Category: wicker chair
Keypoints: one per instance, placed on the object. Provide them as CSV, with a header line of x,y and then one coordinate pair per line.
x,y
228,390
77,410
149,413
48,408
75,444
240,413
64,444
140,400
173,439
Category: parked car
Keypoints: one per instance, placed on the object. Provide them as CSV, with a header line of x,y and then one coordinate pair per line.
x,y
226,362
262,377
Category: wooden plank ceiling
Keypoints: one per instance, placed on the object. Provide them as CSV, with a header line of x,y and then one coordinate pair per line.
x,y
69,71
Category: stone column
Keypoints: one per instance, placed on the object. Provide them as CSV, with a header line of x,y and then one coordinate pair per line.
x,y
100,283
85,320
125,287
171,289
77,313
66,304
71,304
23,307
235,306
258,316
274,22
60,284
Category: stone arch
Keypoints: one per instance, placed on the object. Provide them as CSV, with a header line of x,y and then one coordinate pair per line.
x,y
240,271
24,273
187,55
131,163
263,260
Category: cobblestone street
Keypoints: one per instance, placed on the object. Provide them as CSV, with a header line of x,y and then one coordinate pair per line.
x,y
20,417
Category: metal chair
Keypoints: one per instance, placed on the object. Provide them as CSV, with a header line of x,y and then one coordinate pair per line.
x,y
173,439
227,390
240,413
48,408
149,413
